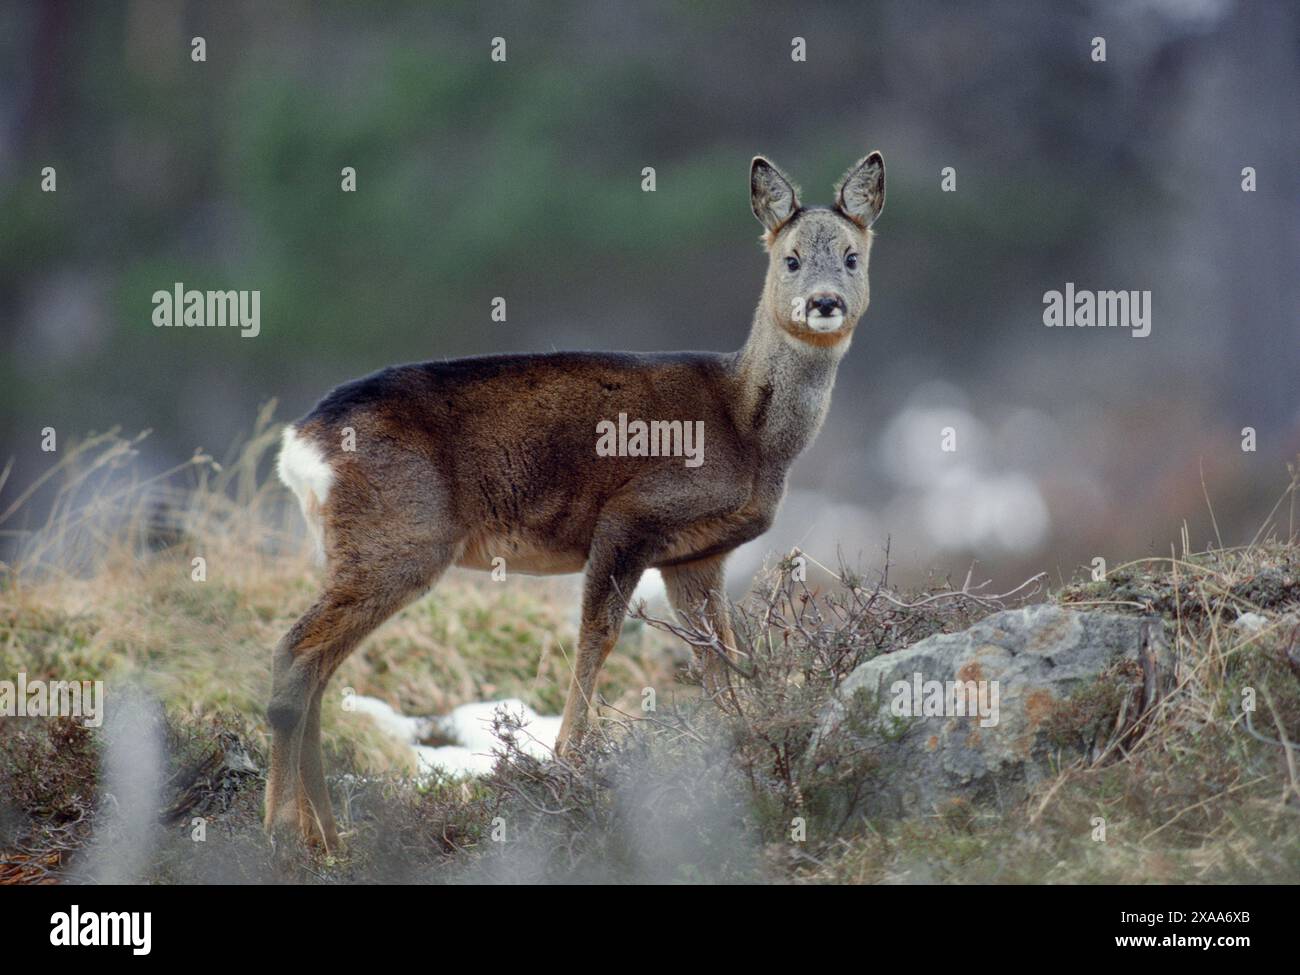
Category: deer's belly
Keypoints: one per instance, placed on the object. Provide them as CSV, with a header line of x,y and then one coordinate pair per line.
x,y
520,553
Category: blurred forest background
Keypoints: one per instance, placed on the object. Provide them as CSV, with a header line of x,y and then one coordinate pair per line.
x,y
523,179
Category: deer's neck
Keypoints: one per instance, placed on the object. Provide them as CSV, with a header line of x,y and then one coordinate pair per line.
x,y
784,388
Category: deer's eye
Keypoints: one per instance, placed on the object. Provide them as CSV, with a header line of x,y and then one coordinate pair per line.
x,y
792,263
851,262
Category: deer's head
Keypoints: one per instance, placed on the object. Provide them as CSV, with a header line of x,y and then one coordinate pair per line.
x,y
816,288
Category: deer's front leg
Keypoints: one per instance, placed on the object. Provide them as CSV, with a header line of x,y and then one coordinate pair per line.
x,y
699,588
613,570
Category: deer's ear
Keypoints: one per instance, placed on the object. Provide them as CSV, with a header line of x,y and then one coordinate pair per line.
x,y
861,194
772,196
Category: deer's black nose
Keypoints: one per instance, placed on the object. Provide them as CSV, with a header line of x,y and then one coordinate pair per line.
x,y
826,305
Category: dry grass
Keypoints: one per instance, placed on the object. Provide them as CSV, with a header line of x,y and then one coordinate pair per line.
x,y
694,791
1207,793
1201,794
104,590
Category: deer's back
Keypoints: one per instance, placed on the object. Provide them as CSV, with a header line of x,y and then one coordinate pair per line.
x,y
504,447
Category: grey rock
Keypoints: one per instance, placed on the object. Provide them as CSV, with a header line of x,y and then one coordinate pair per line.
x,y
1042,667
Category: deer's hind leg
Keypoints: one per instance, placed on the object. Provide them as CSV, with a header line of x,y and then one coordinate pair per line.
x,y
355,601
315,816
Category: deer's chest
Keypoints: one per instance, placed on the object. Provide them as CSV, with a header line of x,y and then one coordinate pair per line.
x,y
722,532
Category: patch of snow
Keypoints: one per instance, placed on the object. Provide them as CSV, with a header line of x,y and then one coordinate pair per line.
x,y
470,726
453,760
389,720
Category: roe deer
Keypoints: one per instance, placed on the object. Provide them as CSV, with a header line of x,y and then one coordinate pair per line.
x,y
457,462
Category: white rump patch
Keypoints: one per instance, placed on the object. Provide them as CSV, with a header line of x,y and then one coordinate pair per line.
x,y
303,469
